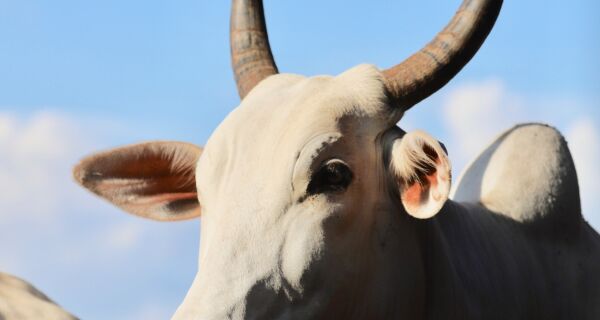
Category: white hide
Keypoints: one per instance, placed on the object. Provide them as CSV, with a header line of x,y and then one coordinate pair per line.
x,y
271,248
19,300
268,251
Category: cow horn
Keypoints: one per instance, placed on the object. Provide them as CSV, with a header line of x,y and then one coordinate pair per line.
x,y
426,71
409,82
251,55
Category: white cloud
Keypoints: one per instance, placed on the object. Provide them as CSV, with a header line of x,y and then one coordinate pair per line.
x,y
38,197
475,113
37,194
583,137
7,125
124,236
55,234
36,153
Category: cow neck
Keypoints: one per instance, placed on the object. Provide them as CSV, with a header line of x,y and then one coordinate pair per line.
x,y
442,290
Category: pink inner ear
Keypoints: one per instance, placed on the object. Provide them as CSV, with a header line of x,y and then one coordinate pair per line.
x,y
418,192
423,174
425,187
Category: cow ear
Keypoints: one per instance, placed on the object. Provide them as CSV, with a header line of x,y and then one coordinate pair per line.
x,y
155,180
422,171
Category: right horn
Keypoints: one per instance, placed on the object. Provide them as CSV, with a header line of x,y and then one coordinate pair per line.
x,y
440,60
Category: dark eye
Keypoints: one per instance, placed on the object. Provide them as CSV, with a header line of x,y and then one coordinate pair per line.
x,y
333,176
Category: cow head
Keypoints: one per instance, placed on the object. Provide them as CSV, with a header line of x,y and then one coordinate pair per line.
x,y
308,191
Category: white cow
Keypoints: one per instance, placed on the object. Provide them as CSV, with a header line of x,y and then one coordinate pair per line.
x,y
315,205
19,300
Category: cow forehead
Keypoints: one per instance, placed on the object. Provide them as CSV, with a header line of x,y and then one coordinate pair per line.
x,y
294,108
358,91
263,136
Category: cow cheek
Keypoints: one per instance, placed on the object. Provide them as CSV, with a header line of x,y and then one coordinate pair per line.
x,y
302,247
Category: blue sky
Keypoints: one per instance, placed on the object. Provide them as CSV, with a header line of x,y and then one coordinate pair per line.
x,y
80,76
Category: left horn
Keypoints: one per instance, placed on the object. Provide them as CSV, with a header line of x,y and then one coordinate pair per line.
x,y
432,67
251,55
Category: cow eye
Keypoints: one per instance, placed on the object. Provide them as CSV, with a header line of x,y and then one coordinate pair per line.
x,y
333,176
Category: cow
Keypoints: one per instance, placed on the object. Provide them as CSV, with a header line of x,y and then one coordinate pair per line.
x,y
316,205
19,300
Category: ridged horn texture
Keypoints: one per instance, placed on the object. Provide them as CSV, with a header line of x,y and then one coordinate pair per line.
x,y
251,55
409,82
440,60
